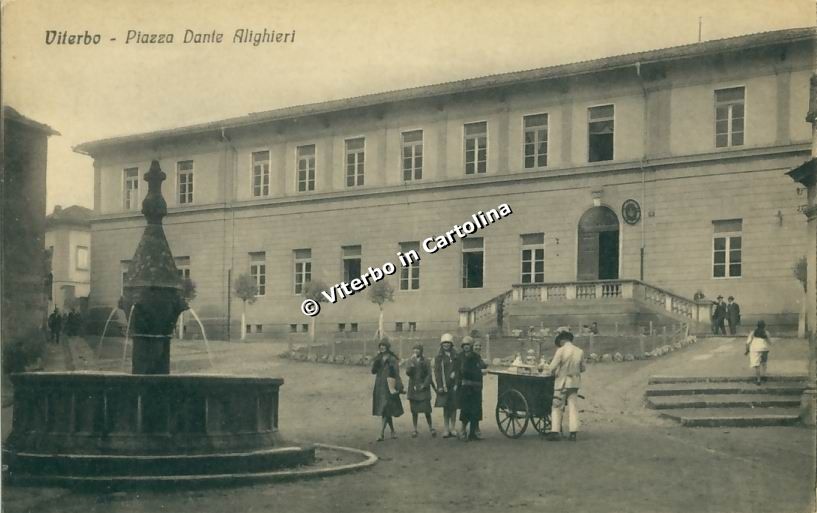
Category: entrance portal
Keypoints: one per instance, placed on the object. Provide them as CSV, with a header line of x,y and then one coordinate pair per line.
x,y
598,245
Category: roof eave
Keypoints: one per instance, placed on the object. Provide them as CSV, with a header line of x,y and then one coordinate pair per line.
x,y
469,85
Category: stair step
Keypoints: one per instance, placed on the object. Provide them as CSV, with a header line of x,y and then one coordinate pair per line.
x,y
723,401
664,389
734,417
657,380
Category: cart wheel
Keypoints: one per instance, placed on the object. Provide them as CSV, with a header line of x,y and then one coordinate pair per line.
x,y
542,424
512,414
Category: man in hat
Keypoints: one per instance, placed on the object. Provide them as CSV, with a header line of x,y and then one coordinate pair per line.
x,y
567,365
732,315
719,317
469,383
445,375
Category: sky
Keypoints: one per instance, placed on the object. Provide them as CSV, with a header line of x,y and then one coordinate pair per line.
x,y
341,49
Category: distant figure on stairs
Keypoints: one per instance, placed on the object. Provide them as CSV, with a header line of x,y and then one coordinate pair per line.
x,y
757,347
718,317
733,315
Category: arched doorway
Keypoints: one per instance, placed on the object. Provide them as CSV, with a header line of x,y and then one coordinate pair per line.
x,y
598,247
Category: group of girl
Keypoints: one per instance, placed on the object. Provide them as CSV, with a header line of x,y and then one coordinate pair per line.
x,y
456,378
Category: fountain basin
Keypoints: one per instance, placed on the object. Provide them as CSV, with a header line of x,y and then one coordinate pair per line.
x,y
113,424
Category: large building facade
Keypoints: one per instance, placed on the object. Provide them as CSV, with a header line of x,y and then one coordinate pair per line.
x,y
664,166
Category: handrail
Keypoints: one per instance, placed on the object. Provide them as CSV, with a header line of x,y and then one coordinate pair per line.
x,y
492,300
582,290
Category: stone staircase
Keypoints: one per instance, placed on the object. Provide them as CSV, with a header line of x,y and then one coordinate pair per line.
x,y
727,401
618,306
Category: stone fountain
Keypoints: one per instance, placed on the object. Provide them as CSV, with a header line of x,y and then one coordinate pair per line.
x,y
149,425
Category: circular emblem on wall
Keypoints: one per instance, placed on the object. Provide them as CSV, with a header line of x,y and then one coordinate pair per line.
x,y
631,211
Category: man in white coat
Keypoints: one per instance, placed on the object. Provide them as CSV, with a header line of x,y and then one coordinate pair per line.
x,y
567,366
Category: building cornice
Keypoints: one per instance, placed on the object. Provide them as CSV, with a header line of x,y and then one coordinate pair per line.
x,y
597,169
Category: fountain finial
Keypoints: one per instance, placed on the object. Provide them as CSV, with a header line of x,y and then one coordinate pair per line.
x,y
154,206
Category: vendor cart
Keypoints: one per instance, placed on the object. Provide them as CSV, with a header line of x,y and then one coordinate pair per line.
x,y
523,399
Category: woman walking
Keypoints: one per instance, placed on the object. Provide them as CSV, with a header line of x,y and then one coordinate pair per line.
x,y
445,380
419,388
386,402
757,347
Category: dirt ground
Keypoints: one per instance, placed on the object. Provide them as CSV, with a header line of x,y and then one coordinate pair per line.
x,y
626,459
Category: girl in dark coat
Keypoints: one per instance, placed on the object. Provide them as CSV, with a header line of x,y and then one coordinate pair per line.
x,y
469,384
419,388
387,387
445,378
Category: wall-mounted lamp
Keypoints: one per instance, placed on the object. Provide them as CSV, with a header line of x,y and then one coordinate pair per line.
x,y
597,198
779,218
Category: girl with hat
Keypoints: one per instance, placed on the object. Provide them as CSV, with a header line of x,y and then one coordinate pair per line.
x,y
386,402
470,388
757,347
419,388
445,377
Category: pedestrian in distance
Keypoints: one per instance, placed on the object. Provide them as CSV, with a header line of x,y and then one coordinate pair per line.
x,y
386,402
469,386
757,347
567,366
419,373
732,315
445,379
718,317
70,324
55,325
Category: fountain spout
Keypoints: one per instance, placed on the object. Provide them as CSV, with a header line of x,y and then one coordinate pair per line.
x,y
153,288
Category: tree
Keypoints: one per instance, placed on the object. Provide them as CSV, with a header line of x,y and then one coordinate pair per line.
x,y
380,293
247,290
800,271
189,294
313,290
188,289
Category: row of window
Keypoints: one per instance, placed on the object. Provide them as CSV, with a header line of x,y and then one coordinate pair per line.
x,y
726,261
729,131
81,262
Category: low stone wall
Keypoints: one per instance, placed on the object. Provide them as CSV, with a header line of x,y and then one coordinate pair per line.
x,y
318,354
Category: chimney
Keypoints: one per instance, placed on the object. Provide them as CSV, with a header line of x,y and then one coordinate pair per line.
x,y
57,208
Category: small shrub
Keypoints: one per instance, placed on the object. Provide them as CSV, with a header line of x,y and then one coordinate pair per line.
x,y
23,350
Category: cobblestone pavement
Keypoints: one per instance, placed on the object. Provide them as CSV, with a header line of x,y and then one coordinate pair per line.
x,y
626,459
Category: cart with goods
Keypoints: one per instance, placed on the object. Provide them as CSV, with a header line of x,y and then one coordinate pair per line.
x,y
522,399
